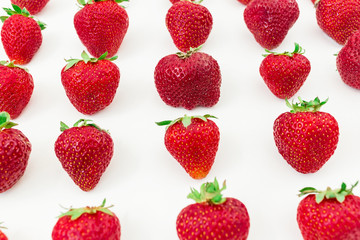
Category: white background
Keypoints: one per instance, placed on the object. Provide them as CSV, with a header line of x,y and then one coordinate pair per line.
x,y
146,185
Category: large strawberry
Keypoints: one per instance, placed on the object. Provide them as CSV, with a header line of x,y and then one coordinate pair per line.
x,y
90,83
284,73
212,216
15,150
33,6
193,142
87,223
338,18
188,79
20,35
269,21
330,214
305,136
101,26
84,152
189,24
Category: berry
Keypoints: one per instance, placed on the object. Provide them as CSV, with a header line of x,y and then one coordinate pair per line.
x,y
33,6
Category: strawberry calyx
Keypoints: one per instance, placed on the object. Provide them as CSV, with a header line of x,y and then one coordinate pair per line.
x,y
75,213
186,120
84,2
80,123
339,194
210,193
303,106
85,58
5,121
298,50
188,54
12,65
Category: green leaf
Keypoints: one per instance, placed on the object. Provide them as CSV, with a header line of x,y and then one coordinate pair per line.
x,y
63,126
71,63
163,123
186,121
16,8
103,56
3,18
85,57
319,197
341,197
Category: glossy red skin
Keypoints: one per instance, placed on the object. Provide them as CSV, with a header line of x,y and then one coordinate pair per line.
x,y
228,221
101,27
190,82
189,24
84,153
3,236
284,75
33,6
306,140
269,21
15,150
338,18
99,226
91,87
329,220
16,88
21,37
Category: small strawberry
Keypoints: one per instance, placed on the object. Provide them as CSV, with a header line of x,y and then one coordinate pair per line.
x,y
269,21
189,24
20,35
101,26
33,6
88,223
284,73
338,18
193,142
188,79
212,216
245,2
15,150
84,152
90,83
305,136
329,214
2,235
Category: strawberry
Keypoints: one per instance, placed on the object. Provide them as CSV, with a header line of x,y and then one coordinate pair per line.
x,y
101,26
269,21
15,151
33,6
338,18
212,216
87,223
189,24
84,152
2,235
305,136
90,83
21,35
193,142
188,79
245,2
16,88
284,73
329,214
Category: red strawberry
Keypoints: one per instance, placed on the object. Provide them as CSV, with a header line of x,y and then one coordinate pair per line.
x,y
101,26
84,151
329,214
16,88
189,24
212,216
338,18
269,21
188,79
245,2
88,223
15,150
20,35
306,137
193,142
33,6
90,83
284,73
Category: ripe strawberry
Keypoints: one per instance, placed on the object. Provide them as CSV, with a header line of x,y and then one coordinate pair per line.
x,y
101,26
338,18
33,6
90,83
212,216
15,150
84,151
329,214
193,142
245,2
20,35
188,79
269,21
306,137
87,223
284,73
189,24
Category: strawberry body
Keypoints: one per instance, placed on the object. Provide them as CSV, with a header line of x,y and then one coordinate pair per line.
x,y
33,6
189,24
101,27
3,236
269,21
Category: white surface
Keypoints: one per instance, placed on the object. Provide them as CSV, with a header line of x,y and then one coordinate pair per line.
x,y
146,185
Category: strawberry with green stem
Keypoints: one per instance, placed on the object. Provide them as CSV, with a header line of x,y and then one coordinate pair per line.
x,y
33,6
